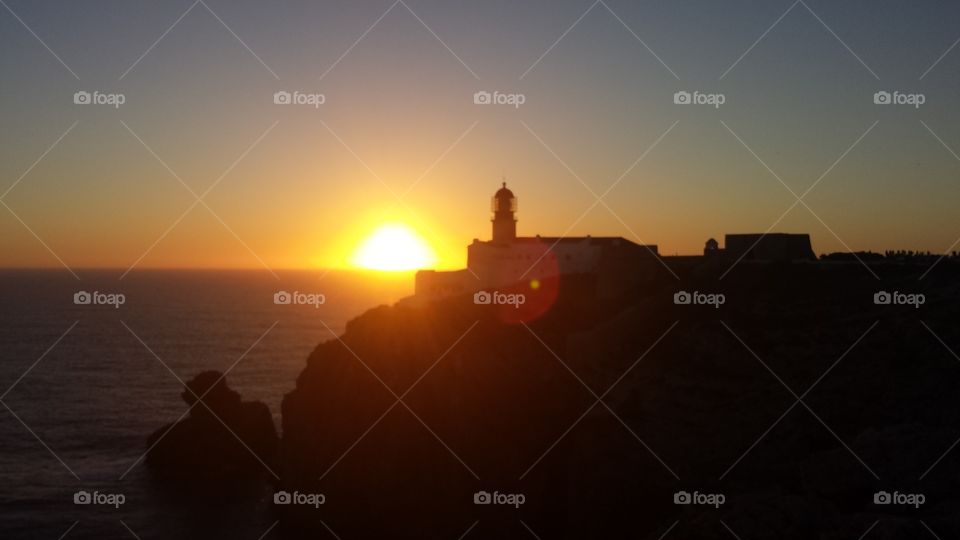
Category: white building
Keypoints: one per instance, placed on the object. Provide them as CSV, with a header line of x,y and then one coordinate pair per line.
x,y
507,259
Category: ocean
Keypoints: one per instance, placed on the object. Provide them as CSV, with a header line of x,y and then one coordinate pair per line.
x,y
85,384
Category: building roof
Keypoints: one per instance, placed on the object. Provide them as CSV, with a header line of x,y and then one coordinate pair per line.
x,y
504,193
592,240
596,241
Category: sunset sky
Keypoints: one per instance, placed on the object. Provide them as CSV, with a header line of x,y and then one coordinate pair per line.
x,y
400,140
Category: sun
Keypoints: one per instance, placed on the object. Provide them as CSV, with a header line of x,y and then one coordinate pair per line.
x,y
394,247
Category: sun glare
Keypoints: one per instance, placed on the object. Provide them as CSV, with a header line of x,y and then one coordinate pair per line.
x,y
394,248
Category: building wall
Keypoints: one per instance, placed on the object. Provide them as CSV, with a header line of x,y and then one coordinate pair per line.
x,y
618,264
505,264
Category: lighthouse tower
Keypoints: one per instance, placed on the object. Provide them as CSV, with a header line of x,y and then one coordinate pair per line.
x,y
504,206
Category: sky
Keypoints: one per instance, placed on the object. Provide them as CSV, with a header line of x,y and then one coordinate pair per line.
x,y
198,167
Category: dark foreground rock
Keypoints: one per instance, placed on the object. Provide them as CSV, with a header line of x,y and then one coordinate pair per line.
x,y
415,414
204,451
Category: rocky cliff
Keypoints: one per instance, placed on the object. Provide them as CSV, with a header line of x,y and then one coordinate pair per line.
x,y
599,414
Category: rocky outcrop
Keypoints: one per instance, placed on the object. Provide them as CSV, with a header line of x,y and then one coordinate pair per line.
x,y
223,443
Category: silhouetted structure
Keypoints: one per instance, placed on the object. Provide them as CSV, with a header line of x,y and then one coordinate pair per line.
x,y
504,207
617,263
508,259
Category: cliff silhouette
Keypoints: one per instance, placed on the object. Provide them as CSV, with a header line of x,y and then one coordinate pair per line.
x,y
400,421
698,399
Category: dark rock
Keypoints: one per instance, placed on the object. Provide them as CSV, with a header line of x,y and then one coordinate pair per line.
x,y
699,410
224,442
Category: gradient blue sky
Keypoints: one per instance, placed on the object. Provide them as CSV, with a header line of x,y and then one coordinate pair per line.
x,y
322,178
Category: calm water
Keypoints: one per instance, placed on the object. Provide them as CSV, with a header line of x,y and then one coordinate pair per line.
x,y
95,396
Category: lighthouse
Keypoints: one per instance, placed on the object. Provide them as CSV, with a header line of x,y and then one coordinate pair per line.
x,y
504,207
507,259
